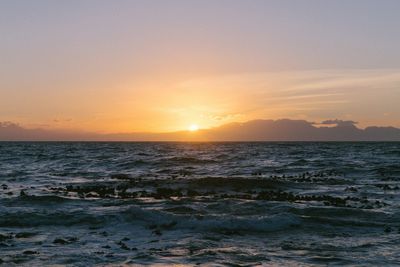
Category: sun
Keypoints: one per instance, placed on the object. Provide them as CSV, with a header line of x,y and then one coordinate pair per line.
x,y
193,127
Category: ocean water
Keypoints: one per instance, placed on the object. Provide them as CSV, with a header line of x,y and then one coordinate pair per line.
x,y
219,204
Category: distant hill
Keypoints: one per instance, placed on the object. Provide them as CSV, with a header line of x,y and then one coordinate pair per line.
x,y
256,130
301,130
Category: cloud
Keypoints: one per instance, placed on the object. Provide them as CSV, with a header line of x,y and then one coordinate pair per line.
x,y
312,92
9,125
61,120
338,122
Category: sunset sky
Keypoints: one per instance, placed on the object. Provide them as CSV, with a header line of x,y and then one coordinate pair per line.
x,y
165,65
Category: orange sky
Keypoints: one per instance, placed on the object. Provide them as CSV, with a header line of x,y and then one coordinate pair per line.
x,y
141,66
166,105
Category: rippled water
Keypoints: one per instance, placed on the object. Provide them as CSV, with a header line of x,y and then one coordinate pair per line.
x,y
85,204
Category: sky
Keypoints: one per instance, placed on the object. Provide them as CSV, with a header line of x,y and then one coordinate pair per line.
x,y
164,65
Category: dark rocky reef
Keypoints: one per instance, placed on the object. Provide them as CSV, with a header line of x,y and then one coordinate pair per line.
x,y
284,188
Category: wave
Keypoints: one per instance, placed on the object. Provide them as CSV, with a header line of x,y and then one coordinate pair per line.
x,y
188,160
246,224
148,218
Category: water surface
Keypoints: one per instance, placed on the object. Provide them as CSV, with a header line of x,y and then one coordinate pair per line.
x,y
85,204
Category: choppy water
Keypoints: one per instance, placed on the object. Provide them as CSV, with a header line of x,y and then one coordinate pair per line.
x,y
85,204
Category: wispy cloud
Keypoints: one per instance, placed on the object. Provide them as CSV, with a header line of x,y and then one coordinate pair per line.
x,y
282,94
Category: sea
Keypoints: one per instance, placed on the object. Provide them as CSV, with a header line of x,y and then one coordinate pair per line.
x,y
200,204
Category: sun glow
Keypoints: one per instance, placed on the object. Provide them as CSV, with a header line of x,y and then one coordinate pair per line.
x,y
193,127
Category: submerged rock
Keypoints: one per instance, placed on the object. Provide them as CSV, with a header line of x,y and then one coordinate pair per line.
x,y
4,237
122,245
120,176
30,252
24,235
62,241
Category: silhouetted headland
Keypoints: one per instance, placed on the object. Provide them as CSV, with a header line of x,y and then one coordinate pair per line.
x,y
256,130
